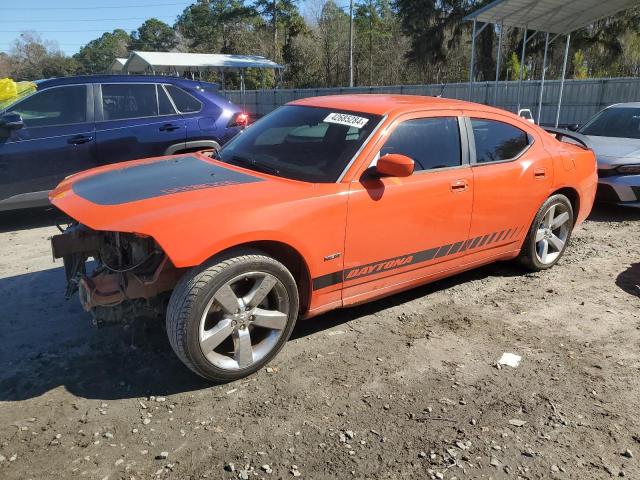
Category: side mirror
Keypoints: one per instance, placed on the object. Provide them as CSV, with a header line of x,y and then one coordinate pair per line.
x,y
574,127
11,121
394,165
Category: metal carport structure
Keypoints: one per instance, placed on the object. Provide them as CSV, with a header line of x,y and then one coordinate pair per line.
x,y
117,65
551,17
177,63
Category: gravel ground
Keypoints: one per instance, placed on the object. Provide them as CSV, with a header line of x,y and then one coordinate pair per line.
x,y
405,387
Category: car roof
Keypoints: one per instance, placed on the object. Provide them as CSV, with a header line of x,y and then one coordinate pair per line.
x,y
625,105
52,82
382,104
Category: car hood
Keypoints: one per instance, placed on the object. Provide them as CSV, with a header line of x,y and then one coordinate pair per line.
x,y
614,151
167,192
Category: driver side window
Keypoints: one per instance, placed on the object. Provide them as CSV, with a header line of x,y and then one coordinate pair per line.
x,y
54,106
431,142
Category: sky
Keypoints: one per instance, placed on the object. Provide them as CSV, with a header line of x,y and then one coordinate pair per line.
x,y
73,23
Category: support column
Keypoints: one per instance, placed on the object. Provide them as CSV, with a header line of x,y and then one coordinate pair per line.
x,y
495,88
544,71
524,49
473,57
351,43
564,73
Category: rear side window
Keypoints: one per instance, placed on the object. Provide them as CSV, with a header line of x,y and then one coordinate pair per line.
x,y
120,101
185,103
430,142
55,106
164,104
497,141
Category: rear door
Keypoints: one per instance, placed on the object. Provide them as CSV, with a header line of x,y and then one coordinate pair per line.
x,y
401,230
57,140
136,120
512,175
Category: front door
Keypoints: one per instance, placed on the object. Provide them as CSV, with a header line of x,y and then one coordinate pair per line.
x,y
136,120
57,139
400,230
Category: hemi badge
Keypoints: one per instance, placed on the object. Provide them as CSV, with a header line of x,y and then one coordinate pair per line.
x,y
332,256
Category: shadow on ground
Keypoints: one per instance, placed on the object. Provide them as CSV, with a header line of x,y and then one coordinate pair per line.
x,y
49,342
31,218
629,280
613,213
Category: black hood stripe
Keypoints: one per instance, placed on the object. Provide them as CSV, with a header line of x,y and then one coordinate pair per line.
x,y
155,179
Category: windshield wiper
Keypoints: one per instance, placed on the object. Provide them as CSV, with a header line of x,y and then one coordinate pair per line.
x,y
254,165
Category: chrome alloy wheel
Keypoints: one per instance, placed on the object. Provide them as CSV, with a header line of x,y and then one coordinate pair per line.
x,y
243,320
552,233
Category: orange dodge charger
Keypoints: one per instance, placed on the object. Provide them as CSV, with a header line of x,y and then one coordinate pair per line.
x,y
324,203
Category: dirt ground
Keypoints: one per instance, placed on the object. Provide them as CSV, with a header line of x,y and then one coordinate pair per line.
x,y
406,387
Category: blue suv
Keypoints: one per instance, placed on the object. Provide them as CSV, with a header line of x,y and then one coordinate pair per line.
x,y
75,123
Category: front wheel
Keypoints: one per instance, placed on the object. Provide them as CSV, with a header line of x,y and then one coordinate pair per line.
x,y
549,234
227,320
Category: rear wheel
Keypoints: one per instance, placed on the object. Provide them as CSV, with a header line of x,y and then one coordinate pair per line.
x,y
226,320
549,234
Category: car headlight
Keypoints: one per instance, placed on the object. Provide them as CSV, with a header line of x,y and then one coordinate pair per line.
x,y
628,169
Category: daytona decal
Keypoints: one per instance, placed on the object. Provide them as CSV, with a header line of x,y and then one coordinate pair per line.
x,y
413,258
346,119
379,267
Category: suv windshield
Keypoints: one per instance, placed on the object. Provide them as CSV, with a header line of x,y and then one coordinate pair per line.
x,y
621,122
302,143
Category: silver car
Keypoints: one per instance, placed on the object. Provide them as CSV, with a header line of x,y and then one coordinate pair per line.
x,y
615,138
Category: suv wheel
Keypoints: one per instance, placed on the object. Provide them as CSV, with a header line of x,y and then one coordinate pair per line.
x,y
228,319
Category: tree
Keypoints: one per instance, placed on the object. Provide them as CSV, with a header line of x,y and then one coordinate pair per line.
x,y
225,26
294,55
580,70
98,55
155,36
332,33
279,13
198,26
513,67
5,65
433,27
31,58
380,46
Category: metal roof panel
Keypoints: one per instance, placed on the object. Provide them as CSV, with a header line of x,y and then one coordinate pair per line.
x,y
553,16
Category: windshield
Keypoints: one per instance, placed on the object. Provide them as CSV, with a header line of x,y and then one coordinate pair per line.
x,y
621,122
302,143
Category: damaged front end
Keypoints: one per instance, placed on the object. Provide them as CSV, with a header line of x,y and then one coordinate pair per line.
x,y
130,276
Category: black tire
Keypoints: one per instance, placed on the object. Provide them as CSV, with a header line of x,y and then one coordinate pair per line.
x,y
529,256
194,293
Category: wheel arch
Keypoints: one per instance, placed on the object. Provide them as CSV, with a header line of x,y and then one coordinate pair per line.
x,y
573,196
290,257
192,146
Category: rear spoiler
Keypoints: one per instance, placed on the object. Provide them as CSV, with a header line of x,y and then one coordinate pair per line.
x,y
560,134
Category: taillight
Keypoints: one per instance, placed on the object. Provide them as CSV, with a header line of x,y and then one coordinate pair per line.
x,y
240,119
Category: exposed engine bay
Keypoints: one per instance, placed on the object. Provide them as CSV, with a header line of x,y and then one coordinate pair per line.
x,y
130,276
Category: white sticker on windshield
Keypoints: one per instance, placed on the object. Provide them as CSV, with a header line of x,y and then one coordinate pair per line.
x,y
346,119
